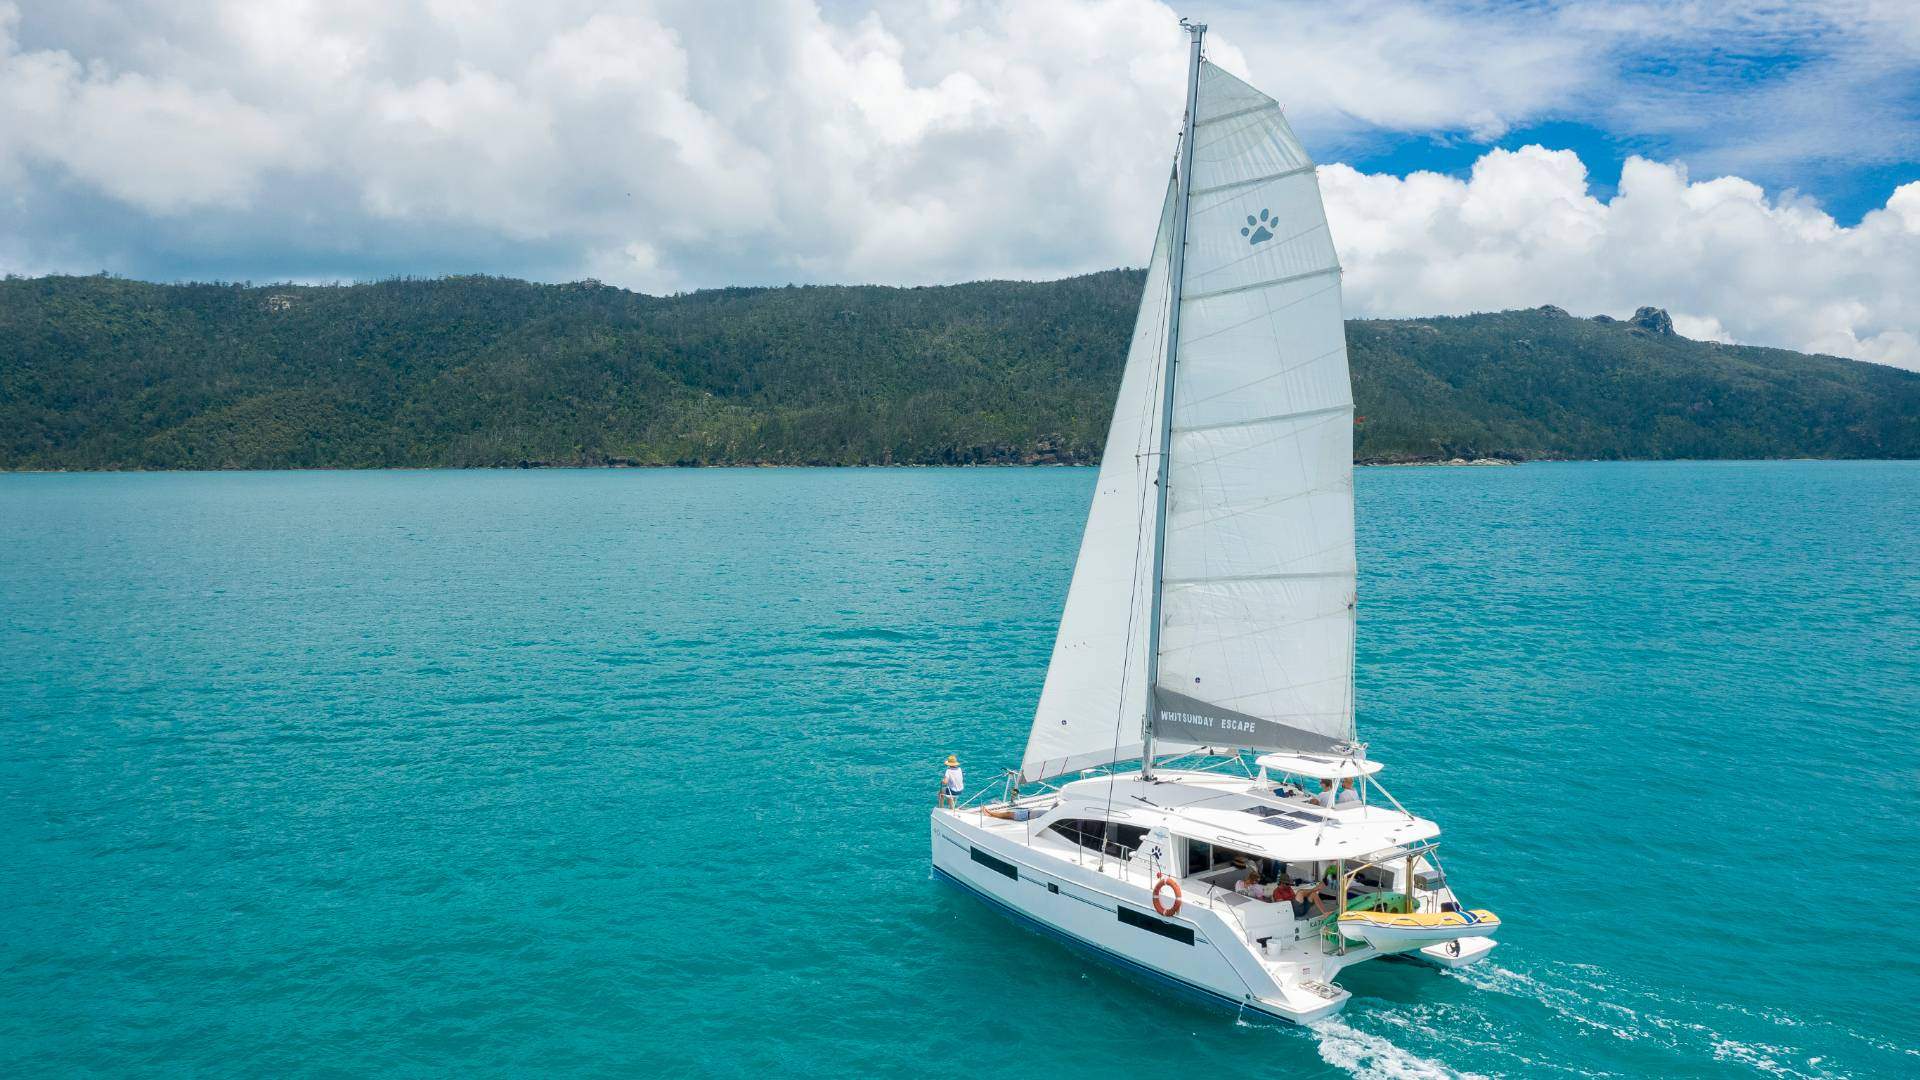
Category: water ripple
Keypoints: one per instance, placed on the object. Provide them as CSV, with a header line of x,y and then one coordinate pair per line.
x,y
595,772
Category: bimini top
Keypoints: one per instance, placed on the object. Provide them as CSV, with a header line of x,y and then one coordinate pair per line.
x,y
1318,766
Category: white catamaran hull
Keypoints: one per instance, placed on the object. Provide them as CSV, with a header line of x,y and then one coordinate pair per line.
x,y
1083,907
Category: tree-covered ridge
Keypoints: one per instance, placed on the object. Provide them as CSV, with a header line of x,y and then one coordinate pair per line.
x,y
101,373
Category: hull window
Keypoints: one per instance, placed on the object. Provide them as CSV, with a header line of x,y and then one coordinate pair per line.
x,y
1203,857
1088,834
999,866
1117,840
1181,934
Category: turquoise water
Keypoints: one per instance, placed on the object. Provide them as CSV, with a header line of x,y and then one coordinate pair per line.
x,y
628,772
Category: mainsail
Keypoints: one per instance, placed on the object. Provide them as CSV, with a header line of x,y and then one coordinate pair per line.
x,y
1256,590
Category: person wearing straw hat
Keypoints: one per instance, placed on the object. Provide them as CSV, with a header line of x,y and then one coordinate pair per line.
x,y
952,783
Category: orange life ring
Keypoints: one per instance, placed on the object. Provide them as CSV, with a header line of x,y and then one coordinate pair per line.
x,y
1166,882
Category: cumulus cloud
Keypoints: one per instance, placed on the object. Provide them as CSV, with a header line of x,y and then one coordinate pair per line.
x,y
671,144
1732,264
660,144
153,142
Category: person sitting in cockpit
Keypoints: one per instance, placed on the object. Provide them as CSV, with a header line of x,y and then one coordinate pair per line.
x,y
1317,897
1255,886
1249,883
1294,789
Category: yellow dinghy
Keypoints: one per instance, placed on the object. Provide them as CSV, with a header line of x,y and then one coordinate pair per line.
x,y
1391,932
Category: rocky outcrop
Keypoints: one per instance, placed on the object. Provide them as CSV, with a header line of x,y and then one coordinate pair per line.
x,y
1651,320
1654,321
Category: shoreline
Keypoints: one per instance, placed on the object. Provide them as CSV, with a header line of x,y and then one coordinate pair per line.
x,y
1451,463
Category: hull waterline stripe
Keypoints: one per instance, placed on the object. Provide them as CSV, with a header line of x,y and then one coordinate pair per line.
x,y
1108,954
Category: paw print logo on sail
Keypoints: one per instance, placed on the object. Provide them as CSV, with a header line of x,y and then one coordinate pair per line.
x,y
1260,228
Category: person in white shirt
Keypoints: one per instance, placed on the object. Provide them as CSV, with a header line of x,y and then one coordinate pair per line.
x,y
1250,884
952,782
1329,790
1348,796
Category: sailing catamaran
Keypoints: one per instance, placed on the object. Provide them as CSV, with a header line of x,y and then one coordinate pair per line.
x,y
1211,615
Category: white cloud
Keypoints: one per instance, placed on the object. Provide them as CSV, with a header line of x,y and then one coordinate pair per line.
x,y
1812,85
665,144
154,142
922,140
1406,66
1731,264
1702,328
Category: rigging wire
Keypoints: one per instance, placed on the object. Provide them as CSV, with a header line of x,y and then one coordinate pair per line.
x,y
1143,448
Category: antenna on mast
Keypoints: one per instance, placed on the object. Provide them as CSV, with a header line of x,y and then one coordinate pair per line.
x,y
1195,29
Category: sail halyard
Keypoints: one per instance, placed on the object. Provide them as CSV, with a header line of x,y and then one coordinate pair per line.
x,y
1183,180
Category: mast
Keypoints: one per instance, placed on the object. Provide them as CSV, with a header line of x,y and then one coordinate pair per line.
x,y
1195,31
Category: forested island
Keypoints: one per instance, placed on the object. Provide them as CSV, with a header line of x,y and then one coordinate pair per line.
x,y
106,373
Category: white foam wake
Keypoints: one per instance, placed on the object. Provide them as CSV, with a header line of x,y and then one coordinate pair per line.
x,y
1374,1057
1591,999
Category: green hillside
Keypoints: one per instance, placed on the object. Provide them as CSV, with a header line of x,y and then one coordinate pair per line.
x,y
104,373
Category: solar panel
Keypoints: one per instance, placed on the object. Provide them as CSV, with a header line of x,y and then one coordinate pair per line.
x,y
1274,815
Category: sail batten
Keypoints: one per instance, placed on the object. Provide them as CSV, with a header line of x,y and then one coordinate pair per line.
x,y
1330,410
1288,280
1254,581
1282,576
1251,181
1240,113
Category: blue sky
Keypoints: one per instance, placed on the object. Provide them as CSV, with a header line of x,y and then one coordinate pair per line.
x,y
1845,189
1598,155
1846,178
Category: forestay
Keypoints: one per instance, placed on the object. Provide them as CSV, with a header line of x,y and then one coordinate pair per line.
x,y
1256,634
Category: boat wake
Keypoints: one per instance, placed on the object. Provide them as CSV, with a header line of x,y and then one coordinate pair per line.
x,y
1374,1057
1599,1004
